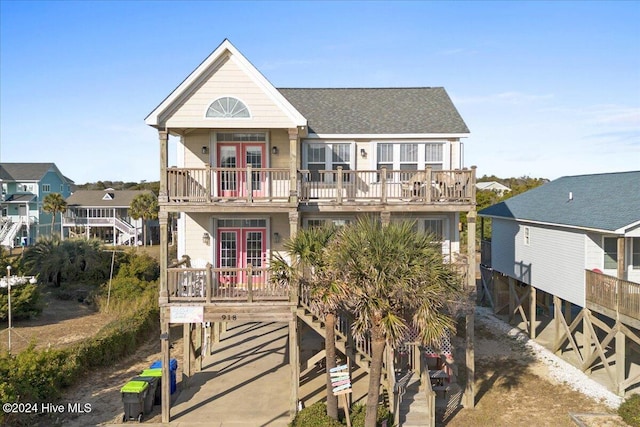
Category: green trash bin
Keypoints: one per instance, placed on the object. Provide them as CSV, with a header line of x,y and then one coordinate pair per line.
x,y
133,395
157,373
151,391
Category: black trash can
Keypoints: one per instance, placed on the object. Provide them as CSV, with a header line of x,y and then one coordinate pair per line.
x,y
151,390
157,373
134,394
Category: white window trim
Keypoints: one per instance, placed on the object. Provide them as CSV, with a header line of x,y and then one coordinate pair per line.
x,y
421,163
631,250
208,105
328,163
526,235
604,252
305,221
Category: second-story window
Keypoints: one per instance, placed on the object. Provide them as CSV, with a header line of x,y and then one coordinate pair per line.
x,y
228,107
46,188
410,156
326,157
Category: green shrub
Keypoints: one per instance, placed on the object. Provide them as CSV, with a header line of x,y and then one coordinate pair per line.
x,y
38,375
314,416
26,302
359,412
139,265
630,410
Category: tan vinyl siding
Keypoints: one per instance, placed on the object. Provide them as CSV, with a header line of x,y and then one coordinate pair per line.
x,y
196,226
193,143
280,225
229,80
280,139
365,163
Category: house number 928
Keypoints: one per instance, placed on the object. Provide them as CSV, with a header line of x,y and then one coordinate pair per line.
x,y
229,317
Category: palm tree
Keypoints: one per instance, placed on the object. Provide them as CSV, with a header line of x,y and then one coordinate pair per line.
x,y
307,251
54,203
46,259
397,280
144,206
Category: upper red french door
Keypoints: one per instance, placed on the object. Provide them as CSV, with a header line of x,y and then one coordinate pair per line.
x,y
233,183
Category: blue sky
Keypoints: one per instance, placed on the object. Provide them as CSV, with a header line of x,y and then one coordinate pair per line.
x,y
547,88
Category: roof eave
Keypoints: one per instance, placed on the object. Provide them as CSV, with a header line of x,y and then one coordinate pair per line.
x,y
387,135
553,224
153,119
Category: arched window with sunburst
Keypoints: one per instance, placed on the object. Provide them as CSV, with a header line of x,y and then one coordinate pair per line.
x,y
228,107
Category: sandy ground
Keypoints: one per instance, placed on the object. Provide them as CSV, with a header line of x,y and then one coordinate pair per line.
x,y
513,387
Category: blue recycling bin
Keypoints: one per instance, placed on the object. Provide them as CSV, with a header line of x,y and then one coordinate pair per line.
x,y
173,367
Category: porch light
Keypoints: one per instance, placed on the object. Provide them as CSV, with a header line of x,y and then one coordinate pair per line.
x,y
274,150
206,239
363,153
205,149
276,237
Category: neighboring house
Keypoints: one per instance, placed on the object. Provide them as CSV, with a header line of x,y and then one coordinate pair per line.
x,y
24,187
256,163
575,239
104,215
493,186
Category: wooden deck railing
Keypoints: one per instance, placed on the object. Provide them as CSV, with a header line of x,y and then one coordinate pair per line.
x,y
612,293
208,184
210,284
387,186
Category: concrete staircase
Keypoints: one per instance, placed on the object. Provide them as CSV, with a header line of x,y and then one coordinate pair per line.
x,y
414,409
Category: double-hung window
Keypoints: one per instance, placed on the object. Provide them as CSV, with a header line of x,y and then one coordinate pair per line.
x,y
610,253
409,156
327,157
635,253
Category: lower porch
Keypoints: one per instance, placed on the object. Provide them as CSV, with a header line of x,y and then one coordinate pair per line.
x,y
599,339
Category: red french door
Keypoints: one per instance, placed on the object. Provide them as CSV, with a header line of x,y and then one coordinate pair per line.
x,y
237,156
237,248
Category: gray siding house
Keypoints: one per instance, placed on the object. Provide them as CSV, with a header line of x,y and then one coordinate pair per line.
x,y
577,240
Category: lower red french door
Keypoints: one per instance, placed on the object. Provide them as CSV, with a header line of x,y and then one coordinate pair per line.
x,y
237,248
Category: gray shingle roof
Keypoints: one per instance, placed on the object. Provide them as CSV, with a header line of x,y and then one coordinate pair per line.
x,y
94,198
25,171
607,201
377,110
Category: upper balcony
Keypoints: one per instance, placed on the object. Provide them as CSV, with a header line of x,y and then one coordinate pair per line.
x,y
273,187
616,298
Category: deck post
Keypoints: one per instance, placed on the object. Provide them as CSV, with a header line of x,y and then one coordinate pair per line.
x,y
186,353
163,194
586,338
165,342
532,313
512,298
557,314
567,312
293,166
620,359
199,341
621,258
294,364
469,392
249,271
